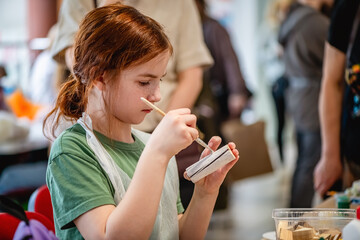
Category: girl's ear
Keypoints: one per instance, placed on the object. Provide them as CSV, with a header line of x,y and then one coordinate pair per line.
x,y
99,83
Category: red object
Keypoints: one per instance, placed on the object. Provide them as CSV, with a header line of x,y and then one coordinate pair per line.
x,y
10,223
43,203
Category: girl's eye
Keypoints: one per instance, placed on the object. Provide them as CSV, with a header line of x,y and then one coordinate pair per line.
x,y
144,83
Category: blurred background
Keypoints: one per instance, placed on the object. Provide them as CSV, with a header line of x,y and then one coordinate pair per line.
x,y
254,190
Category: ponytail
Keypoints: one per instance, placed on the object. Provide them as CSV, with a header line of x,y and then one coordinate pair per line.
x,y
70,104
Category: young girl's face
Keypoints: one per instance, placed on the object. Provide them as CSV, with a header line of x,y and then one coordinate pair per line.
x,y
133,83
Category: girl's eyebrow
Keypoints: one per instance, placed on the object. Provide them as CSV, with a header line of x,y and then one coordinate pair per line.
x,y
151,75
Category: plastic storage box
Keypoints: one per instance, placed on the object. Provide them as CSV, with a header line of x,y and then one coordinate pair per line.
x,y
311,223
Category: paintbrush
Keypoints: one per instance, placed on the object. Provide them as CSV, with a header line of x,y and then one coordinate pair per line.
x,y
198,140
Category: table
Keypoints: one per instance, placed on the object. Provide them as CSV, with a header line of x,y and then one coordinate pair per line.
x,y
34,141
331,203
30,149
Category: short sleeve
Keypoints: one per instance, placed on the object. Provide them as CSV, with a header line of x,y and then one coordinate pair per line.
x,y
341,25
77,185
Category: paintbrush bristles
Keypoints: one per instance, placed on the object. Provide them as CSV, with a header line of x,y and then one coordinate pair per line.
x,y
202,143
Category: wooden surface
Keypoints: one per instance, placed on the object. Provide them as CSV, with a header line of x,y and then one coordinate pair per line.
x,y
331,203
327,203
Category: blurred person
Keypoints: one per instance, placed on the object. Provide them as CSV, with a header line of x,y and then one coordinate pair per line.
x,y
271,57
224,77
302,35
42,89
106,179
339,100
224,95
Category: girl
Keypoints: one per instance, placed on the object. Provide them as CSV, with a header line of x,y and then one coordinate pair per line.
x,y
107,180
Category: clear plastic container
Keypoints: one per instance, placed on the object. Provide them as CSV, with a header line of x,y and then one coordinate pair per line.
x,y
310,223
352,230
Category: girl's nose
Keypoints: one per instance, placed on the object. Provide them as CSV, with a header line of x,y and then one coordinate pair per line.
x,y
155,96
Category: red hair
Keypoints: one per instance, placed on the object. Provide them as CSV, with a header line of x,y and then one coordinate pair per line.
x,y
110,38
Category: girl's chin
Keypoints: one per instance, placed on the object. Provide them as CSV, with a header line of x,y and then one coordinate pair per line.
x,y
131,121
138,121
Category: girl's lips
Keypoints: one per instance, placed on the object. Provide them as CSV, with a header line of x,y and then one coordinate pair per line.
x,y
147,110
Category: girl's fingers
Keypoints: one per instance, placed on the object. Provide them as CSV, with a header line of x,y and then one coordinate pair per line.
x,y
184,115
232,145
228,166
186,176
190,120
180,111
235,152
214,142
194,133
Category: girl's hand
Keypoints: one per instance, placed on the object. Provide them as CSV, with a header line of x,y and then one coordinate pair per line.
x,y
211,183
176,131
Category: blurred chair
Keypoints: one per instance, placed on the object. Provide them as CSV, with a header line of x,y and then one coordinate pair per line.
x,y
40,202
10,223
24,172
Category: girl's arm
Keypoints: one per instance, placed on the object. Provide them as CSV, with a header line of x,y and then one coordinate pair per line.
x,y
135,215
194,223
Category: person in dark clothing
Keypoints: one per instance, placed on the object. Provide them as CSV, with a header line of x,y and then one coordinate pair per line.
x,y
339,99
224,78
224,94
303,35
278,92
273,64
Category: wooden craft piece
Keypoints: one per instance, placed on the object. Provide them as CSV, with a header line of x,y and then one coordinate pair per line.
x,y
303,234
210,163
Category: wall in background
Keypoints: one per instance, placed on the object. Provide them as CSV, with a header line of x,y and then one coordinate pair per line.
x,y
20,22
13,41
244,20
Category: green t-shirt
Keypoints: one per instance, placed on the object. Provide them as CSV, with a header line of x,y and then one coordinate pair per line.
x,y
78,183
